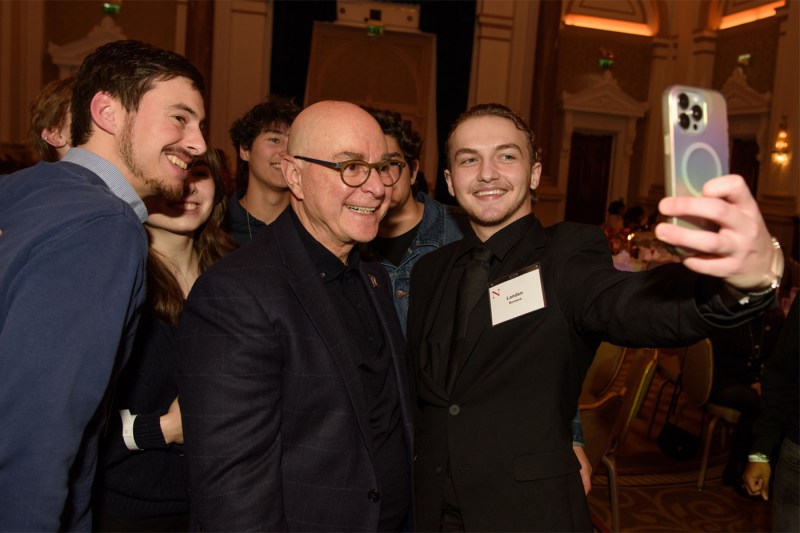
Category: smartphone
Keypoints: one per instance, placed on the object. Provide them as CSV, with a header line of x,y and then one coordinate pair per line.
x,y
695,144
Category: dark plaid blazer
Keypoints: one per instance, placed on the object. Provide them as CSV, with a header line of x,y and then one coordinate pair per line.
x,y
275,420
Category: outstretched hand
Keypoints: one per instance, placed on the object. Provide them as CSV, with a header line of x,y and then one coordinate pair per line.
x,y
741,252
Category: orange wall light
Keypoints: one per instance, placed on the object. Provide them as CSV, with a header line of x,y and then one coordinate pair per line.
x,y
751,15
598,23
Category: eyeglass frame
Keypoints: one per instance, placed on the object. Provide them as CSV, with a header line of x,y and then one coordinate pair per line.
x,y
339,165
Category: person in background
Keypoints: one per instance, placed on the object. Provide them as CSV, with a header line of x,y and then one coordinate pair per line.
x,y
72,272
51,120
740,355
634,220
292,371
260,138
614,216
777,430
416,224
614,226
498,378
143,479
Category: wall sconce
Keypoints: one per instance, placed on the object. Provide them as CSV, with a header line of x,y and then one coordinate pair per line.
x,y
743,60
606,59
780,154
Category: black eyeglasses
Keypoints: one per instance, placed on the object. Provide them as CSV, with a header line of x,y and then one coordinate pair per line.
x,y
355,172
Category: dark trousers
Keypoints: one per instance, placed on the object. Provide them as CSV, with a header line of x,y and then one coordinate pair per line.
x,y
785,494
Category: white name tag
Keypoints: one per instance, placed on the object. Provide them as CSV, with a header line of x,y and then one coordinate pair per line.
x,y
516,294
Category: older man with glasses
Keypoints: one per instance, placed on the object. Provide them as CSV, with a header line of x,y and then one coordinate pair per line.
x,y
292,373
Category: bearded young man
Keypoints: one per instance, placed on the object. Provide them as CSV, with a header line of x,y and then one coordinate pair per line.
x,y
72,266
496,393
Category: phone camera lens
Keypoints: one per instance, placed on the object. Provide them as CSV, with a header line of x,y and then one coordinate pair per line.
x,y
683,100
683,118
697,112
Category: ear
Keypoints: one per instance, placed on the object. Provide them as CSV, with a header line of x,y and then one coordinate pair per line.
x,y
244,154
53,137
414,171
107,112
536,175
293,176
449,180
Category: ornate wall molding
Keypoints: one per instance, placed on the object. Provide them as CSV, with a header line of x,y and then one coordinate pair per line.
x,y
603,108
68,57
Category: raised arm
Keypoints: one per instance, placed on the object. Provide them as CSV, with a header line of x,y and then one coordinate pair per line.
x,y
742,253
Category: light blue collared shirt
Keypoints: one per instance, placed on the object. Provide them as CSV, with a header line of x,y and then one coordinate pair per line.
x,y
112,177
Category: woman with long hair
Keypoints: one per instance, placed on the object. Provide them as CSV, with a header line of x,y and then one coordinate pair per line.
x,y
142,480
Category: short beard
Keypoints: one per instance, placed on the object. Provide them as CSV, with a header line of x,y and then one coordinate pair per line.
x,y
155,185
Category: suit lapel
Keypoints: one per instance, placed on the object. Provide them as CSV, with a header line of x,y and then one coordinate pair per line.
x,y
321,310
379,291
438,285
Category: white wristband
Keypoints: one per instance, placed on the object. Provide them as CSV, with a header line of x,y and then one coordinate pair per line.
x,y
758,458
127,429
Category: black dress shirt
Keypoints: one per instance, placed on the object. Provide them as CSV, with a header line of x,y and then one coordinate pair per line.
x,y
345,284
501,244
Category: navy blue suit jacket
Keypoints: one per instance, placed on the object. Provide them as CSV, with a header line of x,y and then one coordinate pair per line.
x,y
275,420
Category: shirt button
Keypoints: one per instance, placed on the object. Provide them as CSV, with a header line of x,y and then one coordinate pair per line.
x,y
454,410
400,293
374,496
438,470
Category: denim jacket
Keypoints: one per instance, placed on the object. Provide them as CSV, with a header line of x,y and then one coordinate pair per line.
x,y
441,224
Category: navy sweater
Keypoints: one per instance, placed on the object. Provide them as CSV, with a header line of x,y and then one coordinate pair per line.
x,y
72,263
150,482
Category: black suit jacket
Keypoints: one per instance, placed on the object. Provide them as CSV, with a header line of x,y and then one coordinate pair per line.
x,y
275,419
505,425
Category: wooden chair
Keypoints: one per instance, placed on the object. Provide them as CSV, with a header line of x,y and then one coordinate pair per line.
x,y
602,373
668,368
605,433
597,420
696,379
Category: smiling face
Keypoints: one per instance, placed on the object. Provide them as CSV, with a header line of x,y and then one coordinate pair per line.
x,y
186,214
336,215
491,173
264,157
159,140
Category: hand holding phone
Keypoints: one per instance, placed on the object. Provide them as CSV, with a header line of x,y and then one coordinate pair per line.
x,y
695,144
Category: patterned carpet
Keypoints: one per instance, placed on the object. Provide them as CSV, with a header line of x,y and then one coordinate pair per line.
x,y
681,507
658,493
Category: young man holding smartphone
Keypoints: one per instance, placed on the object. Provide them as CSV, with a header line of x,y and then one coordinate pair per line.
x,y
493,444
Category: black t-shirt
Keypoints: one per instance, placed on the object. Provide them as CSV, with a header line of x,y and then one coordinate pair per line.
x,y
393,248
